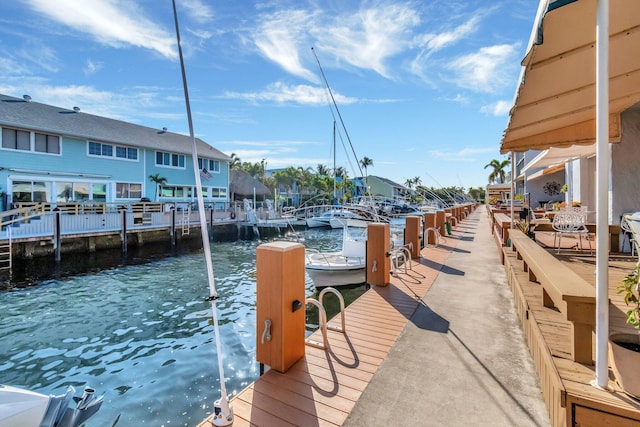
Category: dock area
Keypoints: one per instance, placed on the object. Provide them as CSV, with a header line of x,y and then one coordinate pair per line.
x,y
440,345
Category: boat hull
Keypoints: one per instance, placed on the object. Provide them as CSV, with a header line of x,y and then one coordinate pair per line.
x,y
334,278
334,269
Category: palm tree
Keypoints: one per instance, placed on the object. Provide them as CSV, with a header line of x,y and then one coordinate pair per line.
x,y
322,170
158,180
236,163
498,173
365,163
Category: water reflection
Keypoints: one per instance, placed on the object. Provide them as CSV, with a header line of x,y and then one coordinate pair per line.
x,y
140,333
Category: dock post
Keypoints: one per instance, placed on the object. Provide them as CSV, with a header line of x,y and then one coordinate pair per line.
x,y
280,304
57,240
412,235
123,230
430,222
440,220
378,246
173,228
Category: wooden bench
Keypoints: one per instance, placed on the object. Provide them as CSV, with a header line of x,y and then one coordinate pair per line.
x,y
500,230
562,289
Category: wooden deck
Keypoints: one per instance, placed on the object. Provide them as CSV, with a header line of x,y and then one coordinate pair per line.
x,y
322,388
570,398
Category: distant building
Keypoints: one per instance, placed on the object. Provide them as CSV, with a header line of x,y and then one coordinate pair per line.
x,y
385,187
52,154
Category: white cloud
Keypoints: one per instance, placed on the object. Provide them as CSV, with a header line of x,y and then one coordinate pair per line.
x,y
486,70
369,37
197,10
300,94
279,39
429,44
115,23
92,67
463,155
500,108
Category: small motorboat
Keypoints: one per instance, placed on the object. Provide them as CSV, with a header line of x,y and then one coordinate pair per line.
x,y
324,220
24,408
339,268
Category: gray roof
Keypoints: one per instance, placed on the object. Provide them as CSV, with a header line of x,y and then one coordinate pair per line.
x,y
388,182
17,112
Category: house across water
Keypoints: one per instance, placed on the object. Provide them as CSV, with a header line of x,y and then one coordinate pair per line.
x,y
56,155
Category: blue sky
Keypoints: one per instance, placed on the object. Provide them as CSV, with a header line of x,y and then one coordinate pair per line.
x,y
424,87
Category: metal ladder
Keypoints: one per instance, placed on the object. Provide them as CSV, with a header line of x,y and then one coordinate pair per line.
x,y
186,214
5,253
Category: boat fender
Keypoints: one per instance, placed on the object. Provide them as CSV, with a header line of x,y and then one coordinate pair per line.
x,y
233,215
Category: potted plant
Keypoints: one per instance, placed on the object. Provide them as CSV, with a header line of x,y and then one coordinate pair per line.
x,y
624,348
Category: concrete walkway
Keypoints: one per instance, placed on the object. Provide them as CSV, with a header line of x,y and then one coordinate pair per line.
x,y
462,359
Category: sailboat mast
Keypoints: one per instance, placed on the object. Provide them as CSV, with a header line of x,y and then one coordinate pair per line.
x,y
335,105
335,195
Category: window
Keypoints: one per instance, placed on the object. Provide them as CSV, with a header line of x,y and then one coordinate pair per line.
x,y
29,191
16,139
108,150
127,190
173,191
169,159
213,166
47,143
99,192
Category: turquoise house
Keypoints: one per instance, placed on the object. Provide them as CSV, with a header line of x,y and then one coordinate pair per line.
x,y
56,155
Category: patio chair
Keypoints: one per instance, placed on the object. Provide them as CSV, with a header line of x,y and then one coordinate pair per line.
x,y
571,223
633,221
627,232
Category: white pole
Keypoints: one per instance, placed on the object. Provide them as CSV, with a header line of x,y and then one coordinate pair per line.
x,y
602,193
513,189
223,415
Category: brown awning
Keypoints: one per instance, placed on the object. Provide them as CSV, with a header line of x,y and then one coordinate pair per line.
x,y
555,104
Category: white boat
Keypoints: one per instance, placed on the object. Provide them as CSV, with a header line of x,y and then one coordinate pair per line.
x,y
24,408
324,220
339,268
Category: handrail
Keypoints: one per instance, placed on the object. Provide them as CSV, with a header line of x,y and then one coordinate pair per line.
x,y
22,214
339,295
323,326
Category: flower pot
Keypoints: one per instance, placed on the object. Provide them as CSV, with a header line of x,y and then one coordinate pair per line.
x,y
626,362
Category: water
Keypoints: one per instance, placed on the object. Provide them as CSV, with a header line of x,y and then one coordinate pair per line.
x,y
141,334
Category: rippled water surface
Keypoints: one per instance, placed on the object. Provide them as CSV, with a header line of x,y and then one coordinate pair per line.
x,y
141,334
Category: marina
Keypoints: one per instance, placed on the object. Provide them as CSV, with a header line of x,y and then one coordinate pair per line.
x,y
140,333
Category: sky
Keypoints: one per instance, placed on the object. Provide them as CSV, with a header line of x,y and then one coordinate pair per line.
x,y
422,88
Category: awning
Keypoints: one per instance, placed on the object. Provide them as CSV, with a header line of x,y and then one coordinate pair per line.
x,y
545,172
555,103
555,156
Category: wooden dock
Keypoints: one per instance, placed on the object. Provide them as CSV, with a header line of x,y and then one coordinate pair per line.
x,y
322,388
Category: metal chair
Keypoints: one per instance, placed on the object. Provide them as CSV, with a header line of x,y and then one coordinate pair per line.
x,y
570,223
